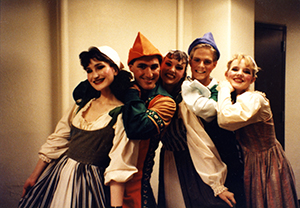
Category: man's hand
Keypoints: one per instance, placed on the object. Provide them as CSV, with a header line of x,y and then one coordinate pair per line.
x,y
134,86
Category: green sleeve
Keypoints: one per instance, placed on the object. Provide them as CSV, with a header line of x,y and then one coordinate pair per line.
x,y
135,118
214,93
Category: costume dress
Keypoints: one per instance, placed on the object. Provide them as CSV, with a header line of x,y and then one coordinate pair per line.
x,y
191,171
268,177
78,155
144,119
202,100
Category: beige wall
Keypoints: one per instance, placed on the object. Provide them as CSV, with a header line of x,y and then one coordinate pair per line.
x,y
26,91
41,41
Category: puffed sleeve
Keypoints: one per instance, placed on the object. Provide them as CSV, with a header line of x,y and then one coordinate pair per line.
x,y
250,107
204,154
197,98
140,121
123,155
57,143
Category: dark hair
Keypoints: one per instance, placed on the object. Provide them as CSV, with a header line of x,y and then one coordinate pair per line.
x,y
85,92
179,56
94,53
121,83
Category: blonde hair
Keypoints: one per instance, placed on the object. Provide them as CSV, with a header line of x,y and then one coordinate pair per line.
x,y
249,62
204,45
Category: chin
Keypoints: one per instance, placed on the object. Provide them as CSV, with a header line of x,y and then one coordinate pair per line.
x,y
200,77
149,87
169,82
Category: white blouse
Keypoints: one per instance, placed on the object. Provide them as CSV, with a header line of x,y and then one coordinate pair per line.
x,y
57,142
250,107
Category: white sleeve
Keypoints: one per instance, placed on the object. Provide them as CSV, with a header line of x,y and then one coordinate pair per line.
x,y
57,143
250,107
204,154
123,155
197,98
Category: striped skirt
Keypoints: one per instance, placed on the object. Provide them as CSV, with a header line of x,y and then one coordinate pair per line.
x,y
68,183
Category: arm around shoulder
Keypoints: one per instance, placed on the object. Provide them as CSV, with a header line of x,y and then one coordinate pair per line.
x,y
197,98
141,122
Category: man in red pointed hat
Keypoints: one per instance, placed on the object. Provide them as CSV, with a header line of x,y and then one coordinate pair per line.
x,y
148,109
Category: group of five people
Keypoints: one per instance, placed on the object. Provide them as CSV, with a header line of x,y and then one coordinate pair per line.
x,y
219,145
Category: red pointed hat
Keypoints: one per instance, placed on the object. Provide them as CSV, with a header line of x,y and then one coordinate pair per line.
x,y
142,47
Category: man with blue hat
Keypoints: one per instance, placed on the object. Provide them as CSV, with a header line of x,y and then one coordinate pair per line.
x,y
200,94
203,58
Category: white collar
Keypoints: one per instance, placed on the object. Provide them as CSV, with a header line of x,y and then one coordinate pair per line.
x,y
212,83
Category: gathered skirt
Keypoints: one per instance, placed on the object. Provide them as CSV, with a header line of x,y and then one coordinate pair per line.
x,y
187,188
269,179
68,183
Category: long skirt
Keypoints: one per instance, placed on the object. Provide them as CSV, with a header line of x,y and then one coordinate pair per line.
x,y
68,183
181,186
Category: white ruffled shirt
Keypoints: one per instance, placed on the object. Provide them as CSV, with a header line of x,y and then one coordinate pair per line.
x,y
204,154
197,98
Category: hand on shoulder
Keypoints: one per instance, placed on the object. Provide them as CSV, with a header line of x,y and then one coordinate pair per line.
x,y
225,84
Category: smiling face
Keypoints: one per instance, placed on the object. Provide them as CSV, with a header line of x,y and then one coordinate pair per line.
x,y
240,76
202,64
146,71
172,71
100,74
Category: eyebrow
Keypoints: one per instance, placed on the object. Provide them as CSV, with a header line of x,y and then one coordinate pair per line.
x,y
142,64
151,65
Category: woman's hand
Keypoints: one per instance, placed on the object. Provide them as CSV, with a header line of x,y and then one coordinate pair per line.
x,y
228,197
39,168
28,184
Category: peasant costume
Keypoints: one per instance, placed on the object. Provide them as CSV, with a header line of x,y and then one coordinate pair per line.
x,y
202,100
144,119
192,173
146,114
268,176
77,153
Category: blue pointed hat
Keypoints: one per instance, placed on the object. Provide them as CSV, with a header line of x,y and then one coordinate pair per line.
x,y
207,38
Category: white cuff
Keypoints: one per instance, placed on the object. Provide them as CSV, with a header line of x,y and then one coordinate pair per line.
x,y
219,189
44,158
